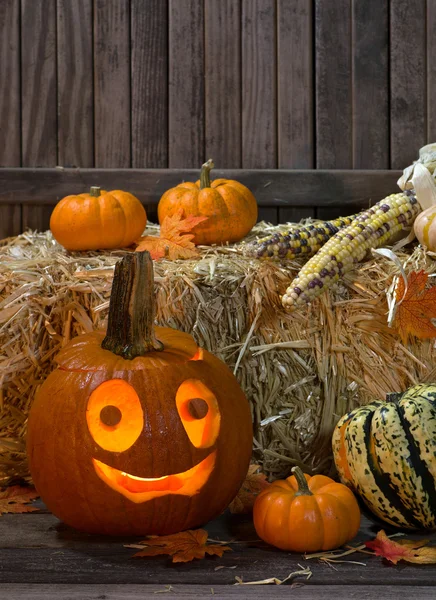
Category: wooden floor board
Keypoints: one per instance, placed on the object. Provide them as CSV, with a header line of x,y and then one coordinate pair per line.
x,y
216,592
38,549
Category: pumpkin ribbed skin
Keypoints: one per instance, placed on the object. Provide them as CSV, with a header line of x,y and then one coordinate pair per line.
x,y
98,220
385,451
230,208
138,431
61,449
325,517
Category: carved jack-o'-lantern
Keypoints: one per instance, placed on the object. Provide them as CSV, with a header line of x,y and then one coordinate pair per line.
x,y
139,431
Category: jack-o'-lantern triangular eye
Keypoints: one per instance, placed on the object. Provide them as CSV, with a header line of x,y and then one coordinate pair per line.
x,y
199,412
114,415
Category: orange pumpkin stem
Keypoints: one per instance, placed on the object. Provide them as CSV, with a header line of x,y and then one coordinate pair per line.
x,y
130,331
206,168
303,488
95,191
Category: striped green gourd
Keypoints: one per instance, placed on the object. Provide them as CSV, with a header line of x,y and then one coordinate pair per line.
x,y
372,228
386,453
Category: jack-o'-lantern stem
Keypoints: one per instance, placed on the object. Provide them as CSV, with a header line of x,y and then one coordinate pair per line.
x,y
206,168
130,331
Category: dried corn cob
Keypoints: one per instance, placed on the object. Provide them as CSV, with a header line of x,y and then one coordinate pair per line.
x,y
299,240
370,229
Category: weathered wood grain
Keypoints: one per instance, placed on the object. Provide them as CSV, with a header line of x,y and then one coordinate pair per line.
x,y
252,83
38,94
75,83
112,139
278,188
295,84
10,220
10,101
37,548
333,91
36,217
186,83
259,84
302,590
223,133
370,78
408,81
38,83
293,214
149,42
431,71
270,214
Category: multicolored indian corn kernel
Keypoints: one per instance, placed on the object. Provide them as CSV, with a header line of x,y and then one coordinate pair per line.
x,y
371,228
297,241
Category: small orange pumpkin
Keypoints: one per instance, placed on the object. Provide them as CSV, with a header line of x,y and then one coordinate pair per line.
x,y
139,431
98,220
425,228
306,514
230,207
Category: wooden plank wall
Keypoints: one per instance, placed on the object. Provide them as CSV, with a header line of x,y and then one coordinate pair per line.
x,y
256,84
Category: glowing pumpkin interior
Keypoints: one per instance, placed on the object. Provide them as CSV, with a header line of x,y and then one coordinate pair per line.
x,y
115,421
131,420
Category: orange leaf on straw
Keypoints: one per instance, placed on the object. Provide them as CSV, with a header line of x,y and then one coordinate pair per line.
x,y
183,547
15,499
254,483
414,314
174,241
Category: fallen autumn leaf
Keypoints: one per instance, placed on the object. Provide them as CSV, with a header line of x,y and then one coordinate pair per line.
x,y
16,499
183,546
413,551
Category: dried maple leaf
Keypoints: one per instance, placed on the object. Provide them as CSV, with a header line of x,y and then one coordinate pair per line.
x,y
174,241
409,550
15,499
418,308
254,483
183,546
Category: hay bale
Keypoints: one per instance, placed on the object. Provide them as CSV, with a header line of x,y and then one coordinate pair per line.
x,y
301,372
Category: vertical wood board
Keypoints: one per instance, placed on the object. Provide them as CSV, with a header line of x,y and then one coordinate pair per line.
x,y
36,217
295,85
10,220
186,83
10,100
270,214
294,214
259,85
75,83
408,81
223,128
112,127
149,42
431,71
38,83
370,22
333,84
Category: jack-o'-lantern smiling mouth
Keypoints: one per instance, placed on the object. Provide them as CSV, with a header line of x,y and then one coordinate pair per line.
x,y
141,489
